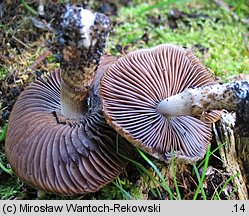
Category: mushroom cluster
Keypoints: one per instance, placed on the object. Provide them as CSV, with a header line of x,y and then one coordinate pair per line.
x,y
133,87
60,137
58,140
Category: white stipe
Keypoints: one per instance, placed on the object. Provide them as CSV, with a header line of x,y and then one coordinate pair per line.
x,y
87,20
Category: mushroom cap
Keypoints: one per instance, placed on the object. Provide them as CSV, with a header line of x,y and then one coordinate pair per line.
x,y
59,155
134,85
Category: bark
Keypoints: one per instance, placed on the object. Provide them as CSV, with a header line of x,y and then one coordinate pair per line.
x,y
234,153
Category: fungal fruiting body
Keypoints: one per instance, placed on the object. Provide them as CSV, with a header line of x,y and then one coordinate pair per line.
x,y
58,140
81,40
194,101
133,87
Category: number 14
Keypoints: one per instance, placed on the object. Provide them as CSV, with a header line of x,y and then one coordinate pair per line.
x,y
239,208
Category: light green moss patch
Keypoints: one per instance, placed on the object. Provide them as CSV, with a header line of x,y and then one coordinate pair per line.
x,y
219,31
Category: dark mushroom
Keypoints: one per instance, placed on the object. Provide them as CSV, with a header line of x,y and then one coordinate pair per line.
x,y
133,87
57,139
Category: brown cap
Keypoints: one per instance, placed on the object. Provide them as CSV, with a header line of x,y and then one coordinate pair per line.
x,y
59,155
132,88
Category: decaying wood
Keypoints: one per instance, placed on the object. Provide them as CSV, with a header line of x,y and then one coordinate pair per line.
x,y
233,129
234,153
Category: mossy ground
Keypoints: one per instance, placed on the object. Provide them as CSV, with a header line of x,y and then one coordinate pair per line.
x,y
217,34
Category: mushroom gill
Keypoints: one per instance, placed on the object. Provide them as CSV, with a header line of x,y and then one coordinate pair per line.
x,y
71,150
133,87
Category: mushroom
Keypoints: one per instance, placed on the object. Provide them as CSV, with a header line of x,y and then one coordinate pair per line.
x,y
58,140
132,88
194,101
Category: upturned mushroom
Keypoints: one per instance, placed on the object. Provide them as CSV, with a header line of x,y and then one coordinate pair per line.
x,y
194,101
58,140
133,87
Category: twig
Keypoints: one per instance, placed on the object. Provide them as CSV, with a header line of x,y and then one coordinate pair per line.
x,y
41,24
19,41
40,59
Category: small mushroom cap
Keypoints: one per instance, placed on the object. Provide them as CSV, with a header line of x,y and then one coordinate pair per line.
x,y
132,88
59,155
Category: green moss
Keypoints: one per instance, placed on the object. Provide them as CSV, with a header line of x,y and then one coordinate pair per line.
x,y
219,31
121,188
110,192
3,72
10,189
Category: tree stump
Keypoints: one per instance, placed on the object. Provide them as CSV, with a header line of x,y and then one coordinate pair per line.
x,y
234,153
